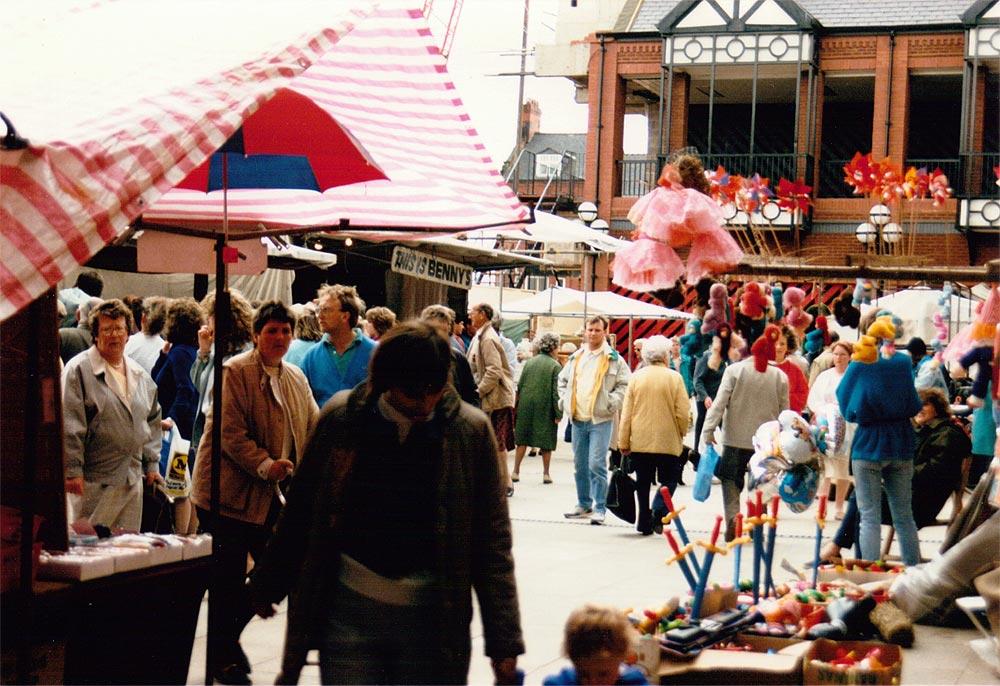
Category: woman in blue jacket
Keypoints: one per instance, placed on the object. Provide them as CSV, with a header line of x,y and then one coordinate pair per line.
x,y
877,393
172,371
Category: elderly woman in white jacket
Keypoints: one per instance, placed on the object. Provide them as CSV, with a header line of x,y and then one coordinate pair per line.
x,y
655,417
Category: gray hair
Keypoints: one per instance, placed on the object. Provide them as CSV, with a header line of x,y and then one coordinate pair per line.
x,y
547,343
656,349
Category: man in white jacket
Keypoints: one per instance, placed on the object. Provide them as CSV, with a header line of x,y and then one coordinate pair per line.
x,y
591,390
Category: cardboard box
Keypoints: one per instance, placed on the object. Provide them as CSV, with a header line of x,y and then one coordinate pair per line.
x,y
757,666
816,668
858,576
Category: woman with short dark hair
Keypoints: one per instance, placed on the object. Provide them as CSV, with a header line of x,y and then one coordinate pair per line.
x,y
172,371
396,514
266,415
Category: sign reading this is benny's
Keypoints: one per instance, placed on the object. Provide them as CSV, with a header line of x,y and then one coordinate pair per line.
x,y
423,266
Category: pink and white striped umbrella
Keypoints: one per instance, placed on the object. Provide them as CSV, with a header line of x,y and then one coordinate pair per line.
x,y
387,85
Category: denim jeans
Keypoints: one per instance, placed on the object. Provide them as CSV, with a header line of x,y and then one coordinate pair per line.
x,y
590,462
897,478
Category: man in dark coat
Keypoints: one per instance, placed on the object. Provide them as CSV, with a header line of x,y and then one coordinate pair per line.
x,y
394,517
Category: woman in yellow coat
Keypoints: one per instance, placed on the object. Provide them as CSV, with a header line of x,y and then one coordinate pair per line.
x,y
655,418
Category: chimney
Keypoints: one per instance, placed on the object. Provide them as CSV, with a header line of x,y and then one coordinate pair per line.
x,y
531,117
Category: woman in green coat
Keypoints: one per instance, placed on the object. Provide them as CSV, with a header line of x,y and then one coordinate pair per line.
x,y
538,412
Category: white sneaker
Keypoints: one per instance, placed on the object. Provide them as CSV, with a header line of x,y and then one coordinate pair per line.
x,y
597,518
578,513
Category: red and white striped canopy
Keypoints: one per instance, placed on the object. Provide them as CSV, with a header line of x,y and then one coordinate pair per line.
x,y
387,85
116,117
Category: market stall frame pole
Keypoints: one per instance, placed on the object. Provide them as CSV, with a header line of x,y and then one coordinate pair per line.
x,y
223,310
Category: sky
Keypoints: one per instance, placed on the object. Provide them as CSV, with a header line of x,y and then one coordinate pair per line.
x,y
487,43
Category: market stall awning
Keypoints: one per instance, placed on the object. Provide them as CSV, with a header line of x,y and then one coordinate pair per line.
x,y
112,118
388,86
569,302
550,228
115,120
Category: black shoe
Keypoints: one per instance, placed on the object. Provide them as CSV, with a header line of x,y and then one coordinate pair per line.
x,y
231,674
510,491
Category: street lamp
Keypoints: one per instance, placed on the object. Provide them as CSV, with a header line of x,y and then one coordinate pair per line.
x,y
587,212
600,225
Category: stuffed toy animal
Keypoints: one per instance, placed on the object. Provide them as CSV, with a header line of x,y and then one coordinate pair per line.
x,y
845,312
716,314
864,291
753,309
692,342
817,339
778,300
866,349
795,316
763,348
753,303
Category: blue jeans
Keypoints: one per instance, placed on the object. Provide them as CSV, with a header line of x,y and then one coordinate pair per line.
x,y
897,477
590,462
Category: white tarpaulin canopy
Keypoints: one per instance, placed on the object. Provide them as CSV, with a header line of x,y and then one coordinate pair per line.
x,y
569,302
551,228
916,307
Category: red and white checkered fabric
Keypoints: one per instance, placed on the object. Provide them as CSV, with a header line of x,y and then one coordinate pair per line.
x,y
116,117
117,114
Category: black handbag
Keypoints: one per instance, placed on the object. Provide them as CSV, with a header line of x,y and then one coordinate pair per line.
x,y
621,494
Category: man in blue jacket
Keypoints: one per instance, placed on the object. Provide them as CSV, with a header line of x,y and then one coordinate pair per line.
x,y
340,360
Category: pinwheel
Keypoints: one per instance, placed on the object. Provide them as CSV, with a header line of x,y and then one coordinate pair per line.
x,y
937,186
794,195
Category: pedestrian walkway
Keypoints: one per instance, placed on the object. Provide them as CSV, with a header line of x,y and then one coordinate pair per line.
x,y
561,564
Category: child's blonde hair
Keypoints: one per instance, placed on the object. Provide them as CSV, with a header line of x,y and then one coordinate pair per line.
x,y
595,630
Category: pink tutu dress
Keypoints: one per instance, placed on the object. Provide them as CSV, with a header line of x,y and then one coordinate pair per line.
x,y
668,217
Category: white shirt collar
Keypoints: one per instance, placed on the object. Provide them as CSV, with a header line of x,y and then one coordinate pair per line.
x,y
100,366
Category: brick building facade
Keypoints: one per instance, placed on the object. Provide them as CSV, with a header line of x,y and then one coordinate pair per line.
x,y
794,89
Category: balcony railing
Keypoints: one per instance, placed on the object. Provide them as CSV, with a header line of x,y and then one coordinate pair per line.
x,y
951,166
978,178
831,179
638,176
529,179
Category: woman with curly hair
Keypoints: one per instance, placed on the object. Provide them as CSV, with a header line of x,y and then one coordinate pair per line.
x,y
537,411
238,340
172,371
307,332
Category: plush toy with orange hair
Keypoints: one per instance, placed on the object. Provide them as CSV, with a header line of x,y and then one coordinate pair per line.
x,y
866,349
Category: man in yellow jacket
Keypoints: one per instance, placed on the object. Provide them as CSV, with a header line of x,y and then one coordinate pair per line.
x,y
654,421
591,390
